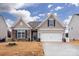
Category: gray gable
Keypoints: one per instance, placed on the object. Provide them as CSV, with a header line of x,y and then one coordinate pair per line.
x,y
34,24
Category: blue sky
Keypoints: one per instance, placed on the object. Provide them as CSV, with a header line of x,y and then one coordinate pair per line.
x,y
38,11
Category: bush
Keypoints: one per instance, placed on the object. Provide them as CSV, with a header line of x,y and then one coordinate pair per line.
x,y
38,40
73,39
2,39
28,39
64,40
12,44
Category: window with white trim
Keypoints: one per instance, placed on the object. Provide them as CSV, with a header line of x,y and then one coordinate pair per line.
x,y
51,23
21,34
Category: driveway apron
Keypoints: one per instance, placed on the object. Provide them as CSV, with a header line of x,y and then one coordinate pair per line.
x,y
60,49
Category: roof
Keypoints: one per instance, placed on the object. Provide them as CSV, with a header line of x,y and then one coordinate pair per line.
x,y
4,20
50,15
76,14
72,18
19,19
34,24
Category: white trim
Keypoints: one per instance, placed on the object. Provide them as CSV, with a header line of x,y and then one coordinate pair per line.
x,y
71,19
49,17
49,29
3,18
21,37
42,22
20,20
21,29
30,34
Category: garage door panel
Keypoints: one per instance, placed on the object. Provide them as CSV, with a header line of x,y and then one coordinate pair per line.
x,y
51,36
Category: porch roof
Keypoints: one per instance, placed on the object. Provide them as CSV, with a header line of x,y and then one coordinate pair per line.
x,y
34,24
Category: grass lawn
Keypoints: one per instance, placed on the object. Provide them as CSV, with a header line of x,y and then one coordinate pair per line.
x,y
21,49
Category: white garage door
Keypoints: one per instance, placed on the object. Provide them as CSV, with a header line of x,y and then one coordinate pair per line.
x,y
51,36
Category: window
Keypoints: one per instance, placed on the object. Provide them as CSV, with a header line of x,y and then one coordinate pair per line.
x,y
66,34
9,34
21,34
51,23
71,28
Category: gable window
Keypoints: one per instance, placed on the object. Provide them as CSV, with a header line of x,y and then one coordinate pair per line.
x,y
51,23
21,34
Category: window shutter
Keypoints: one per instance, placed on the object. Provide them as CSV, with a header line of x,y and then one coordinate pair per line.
x,y
25,33
54,23
15,33
48,23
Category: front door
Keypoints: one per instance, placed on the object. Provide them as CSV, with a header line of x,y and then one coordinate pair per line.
x,y
34,35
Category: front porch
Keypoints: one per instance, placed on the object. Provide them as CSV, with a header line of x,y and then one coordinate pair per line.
x,y
34,35
24,35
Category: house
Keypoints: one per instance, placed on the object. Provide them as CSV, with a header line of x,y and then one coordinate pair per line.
x,y
73,27
21,30
50,29
3,28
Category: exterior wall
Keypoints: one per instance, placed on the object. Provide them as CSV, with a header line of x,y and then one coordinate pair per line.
x,y
3,28
14,34
45,24
45,29
74,27
21,24
28,34
50,31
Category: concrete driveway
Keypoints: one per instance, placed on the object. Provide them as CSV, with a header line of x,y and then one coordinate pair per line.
x,y
60,49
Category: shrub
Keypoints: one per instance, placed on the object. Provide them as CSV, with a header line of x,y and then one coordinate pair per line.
x,y
12,44
64,40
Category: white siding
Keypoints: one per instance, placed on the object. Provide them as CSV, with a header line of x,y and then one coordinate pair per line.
x,y
3,28
51,37
74,27
56,32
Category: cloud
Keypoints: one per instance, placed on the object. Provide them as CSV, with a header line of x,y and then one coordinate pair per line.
x,y
21,12
36,17
58,8
50,5
9,22
25,14
7,7
75,4
13,8
55,14
66,21
41,14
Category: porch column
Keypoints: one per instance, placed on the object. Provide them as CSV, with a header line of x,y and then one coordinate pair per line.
x,y
30,34
11,34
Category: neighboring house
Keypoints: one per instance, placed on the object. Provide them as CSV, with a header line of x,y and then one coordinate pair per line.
x,y
74,27
3,28
51,29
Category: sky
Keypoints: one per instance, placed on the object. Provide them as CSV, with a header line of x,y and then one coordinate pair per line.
x,y
37,11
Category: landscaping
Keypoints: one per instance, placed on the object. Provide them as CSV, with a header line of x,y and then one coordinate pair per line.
x,y
21,49
75,42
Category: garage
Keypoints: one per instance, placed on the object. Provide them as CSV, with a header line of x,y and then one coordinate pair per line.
x,y
51,36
